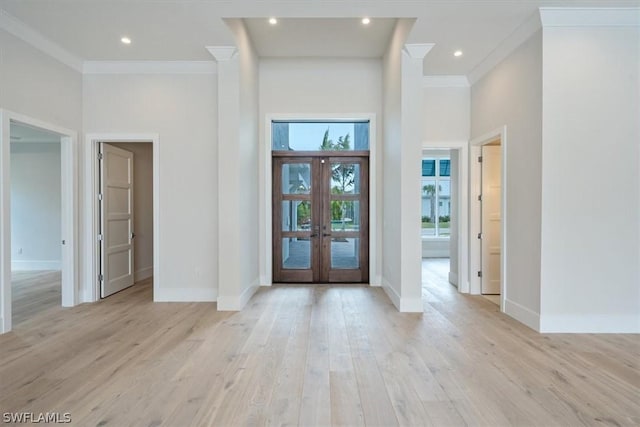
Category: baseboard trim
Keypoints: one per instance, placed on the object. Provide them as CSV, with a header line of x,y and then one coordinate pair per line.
x,y
403,304
237,302
143,273
590,324
453,278
522,314
23,265
185,295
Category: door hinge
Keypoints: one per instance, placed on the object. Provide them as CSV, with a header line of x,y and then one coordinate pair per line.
x,y
479,235
100,196
100,237
99,156
479,198
100,277
479,273
479,159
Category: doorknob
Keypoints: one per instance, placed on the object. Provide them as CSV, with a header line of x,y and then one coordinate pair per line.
x,y
133,235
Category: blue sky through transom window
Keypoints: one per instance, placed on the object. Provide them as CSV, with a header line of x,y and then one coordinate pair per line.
x,y
308,136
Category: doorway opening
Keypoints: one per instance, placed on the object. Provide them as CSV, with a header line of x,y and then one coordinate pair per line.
x,y
36,213
38,225
122,214
444,234
488,216
320,218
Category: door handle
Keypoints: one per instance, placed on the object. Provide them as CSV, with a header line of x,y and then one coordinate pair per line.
x,y
133,235
314,235
326,234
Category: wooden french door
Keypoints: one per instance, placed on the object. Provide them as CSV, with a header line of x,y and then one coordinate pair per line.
x,y
320,217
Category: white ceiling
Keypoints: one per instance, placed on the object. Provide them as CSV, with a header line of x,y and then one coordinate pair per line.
x,y
324,37
27,134
179,30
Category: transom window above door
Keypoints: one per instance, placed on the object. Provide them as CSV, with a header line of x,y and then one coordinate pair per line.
x,y
320,135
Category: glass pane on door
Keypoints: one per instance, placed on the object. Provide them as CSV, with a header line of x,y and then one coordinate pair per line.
x,y
345,178
296,253
296,178
296,215
345,215
345,253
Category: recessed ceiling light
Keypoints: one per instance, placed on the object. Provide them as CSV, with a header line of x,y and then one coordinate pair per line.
x,y
273,21
457,53
366,21
125,40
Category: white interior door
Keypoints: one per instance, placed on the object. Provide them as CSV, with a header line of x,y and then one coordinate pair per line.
x,y
491,196
116,218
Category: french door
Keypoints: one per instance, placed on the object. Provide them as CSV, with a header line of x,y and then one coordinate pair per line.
x,y
320,217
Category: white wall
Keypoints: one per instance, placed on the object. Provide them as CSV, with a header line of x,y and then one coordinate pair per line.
x,y
590,163
182,109
34,84
511,95
326,86
238,164
142,207
35,206
446,114
402,145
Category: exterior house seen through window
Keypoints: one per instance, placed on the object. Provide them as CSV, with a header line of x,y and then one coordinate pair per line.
x,y
436,197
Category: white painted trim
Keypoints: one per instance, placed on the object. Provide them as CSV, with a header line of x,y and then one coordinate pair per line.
x,y
35,265
185,295
150,67
142,274
69,210
590,324
404,305
19,29
463,206
418,50
474,212
91,288
453,278
237,303
445,81
590,17
508,45
522,314
222,53
265,225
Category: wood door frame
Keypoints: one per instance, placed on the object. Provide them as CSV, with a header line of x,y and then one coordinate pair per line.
x,y
69,211
266,197
475,226
90,291
320,263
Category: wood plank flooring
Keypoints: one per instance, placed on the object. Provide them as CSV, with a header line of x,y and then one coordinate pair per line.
x,y
314,355
34,293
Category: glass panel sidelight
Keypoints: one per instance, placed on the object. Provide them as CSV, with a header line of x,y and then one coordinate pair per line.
x,y
296,253
345,253
444,208
296,178
296,215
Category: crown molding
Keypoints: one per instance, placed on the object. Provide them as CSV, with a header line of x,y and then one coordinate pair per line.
x,y
589,17
27,34
222,53
508,45
445,81
150,67
418,50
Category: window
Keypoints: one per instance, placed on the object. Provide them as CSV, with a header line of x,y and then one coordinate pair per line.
x,y
313,135
436,197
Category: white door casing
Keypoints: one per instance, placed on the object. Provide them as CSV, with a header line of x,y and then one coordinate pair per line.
x,y
491,219
116,219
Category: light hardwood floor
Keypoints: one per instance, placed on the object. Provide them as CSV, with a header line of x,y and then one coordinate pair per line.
x,y
314,355
34,294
